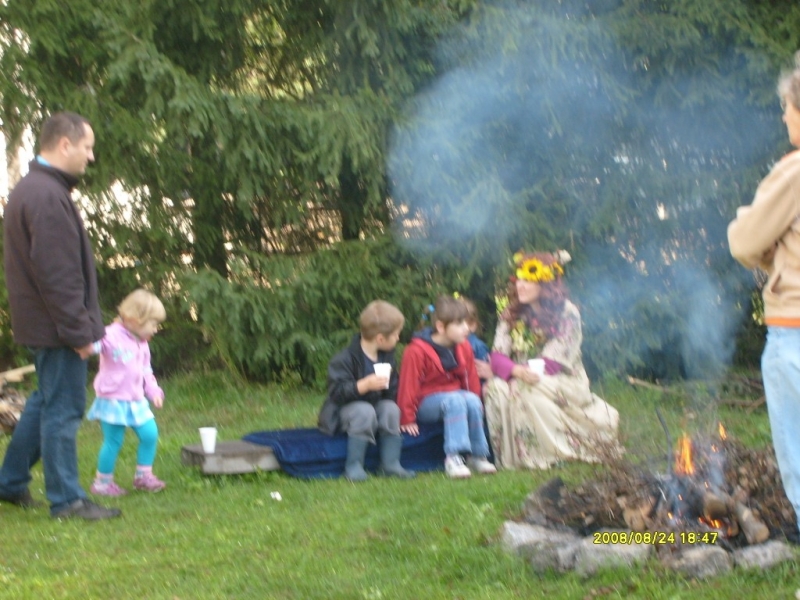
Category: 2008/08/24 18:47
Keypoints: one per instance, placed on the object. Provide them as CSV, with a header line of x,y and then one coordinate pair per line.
x,y
655,538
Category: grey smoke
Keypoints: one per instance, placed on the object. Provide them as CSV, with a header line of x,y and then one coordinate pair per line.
x,y
485,144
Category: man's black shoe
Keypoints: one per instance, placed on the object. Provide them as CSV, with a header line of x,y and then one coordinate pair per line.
x,y
23,499
86,509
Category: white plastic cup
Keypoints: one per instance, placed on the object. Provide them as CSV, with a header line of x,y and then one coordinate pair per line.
x,y
536,365
384,370
208,437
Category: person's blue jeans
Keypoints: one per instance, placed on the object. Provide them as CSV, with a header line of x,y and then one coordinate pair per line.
x,y
462,414
780,370
48,429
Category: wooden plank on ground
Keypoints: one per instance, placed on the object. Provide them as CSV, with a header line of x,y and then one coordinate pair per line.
x,y
230,458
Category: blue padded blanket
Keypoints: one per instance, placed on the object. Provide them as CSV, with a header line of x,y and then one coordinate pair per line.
x,y
309,453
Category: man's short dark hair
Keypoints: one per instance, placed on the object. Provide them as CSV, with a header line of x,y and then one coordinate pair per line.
x,y
62,124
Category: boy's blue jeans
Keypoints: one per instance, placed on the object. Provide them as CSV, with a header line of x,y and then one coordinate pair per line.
x,y
780,369
462,413
48,429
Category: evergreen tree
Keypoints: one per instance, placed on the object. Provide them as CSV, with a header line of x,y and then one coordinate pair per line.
x,y
258,140
236,127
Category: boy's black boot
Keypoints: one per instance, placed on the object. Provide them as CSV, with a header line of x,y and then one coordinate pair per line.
x,y
390,447
354,464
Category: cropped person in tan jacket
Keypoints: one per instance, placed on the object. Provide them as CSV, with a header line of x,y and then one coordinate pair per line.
x,y
766,235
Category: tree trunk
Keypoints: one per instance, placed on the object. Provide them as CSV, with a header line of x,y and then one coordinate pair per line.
x,y
208,218
352,201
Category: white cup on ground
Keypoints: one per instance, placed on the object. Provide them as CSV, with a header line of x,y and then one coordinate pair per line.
x,y
384,370
208,437
536,365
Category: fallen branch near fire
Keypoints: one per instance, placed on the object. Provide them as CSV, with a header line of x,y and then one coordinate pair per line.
x,y
742,387
646,384
750,405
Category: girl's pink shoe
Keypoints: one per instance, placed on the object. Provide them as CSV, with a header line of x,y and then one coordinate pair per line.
x,y
107,489
149,483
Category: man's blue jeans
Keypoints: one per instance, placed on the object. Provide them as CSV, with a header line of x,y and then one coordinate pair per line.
x,y
780,370
48,429
462,413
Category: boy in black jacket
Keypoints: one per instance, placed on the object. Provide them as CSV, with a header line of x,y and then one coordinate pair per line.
x,y
362,403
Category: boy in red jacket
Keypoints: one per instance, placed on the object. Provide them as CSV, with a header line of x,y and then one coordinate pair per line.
x,y
438,382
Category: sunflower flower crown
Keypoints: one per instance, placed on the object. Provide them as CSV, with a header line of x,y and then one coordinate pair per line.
x,y
540,267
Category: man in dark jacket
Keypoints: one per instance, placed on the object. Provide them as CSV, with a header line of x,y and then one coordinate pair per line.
x,y
53,296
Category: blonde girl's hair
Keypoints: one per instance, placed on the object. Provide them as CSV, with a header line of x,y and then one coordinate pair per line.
x,y
142,306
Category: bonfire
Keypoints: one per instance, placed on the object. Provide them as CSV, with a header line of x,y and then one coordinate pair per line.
x,y
715,491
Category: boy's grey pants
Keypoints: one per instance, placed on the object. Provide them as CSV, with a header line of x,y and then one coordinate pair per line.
x,y
363,420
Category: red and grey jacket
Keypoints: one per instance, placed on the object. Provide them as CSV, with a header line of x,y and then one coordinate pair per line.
x,y
422,374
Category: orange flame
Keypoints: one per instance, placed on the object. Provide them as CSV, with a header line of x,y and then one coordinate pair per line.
x,y
723,435
683,462
715,523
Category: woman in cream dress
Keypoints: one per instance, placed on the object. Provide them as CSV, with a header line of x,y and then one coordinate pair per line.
x,y
536,420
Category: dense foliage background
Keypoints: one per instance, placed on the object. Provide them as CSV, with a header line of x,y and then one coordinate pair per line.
x,y
283,163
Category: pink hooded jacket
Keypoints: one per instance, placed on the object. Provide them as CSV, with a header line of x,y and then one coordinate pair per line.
x,y
125,372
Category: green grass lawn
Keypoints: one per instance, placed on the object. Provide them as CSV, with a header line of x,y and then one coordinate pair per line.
x,y
225,537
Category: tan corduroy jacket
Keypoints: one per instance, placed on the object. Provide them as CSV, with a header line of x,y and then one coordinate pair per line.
x,y
766,234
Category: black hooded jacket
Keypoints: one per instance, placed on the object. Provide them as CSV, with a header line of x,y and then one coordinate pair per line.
x,y
344,371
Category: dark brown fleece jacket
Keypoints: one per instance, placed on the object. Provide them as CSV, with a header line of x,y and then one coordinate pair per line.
x,y
49,265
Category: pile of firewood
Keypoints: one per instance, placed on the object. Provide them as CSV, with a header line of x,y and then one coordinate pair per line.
x,y
12,401
747,506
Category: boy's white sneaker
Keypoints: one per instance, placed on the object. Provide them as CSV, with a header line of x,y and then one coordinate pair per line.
x,y
481,466
455,468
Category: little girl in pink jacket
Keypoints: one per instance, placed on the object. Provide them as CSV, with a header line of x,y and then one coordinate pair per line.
x,y
124,384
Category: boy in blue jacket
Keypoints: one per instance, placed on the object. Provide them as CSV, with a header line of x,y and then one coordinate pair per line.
x,y
362,403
